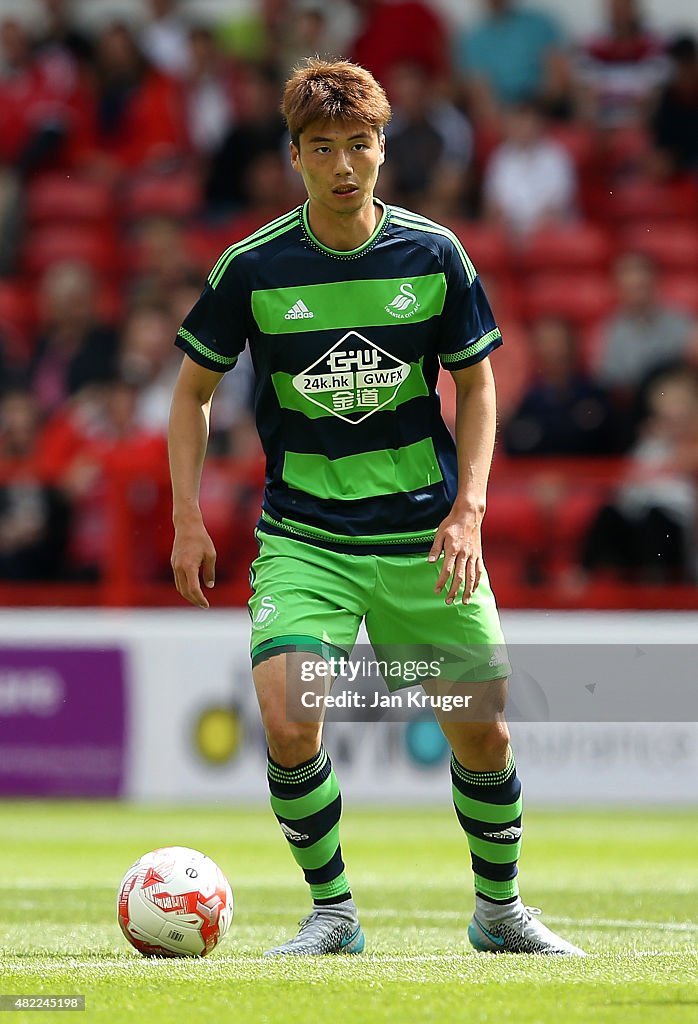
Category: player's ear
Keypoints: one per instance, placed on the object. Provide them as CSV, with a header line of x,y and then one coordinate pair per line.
x,y
381,143
295,156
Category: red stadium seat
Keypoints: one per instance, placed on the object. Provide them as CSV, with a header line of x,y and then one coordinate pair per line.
x,y
566,247
582,298
58,198
175,195
674,245
681,290
51,245
625,148
580,142
17,315
648,201
488,247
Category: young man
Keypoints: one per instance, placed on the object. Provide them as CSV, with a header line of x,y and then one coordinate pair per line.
x,y
348,306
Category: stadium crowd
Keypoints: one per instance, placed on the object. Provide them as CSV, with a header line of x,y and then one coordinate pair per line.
x,y
133,154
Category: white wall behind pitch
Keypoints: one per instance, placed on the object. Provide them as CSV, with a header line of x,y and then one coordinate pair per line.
x,y
181,663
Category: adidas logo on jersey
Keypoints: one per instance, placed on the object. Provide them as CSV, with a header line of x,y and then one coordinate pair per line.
x,y
299,311
295,837
513,832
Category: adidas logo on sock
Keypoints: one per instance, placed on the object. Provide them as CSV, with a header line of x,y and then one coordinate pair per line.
x,y
295,837
508,833
299,311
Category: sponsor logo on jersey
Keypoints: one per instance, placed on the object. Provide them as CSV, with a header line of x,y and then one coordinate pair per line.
x,y
513,832
405,303
266,612
299,311
295,837
353,379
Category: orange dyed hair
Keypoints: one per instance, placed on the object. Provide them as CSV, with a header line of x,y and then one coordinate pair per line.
x,y
322,90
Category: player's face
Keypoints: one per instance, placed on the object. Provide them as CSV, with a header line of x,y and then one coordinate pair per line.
x,y
339,163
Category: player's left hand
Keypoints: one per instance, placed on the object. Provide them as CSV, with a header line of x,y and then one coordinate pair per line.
x,y
458,539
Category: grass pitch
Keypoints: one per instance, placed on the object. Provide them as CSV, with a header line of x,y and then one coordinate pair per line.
x,y
624,885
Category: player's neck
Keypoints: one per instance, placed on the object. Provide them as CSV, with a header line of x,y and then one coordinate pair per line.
x,y
344,232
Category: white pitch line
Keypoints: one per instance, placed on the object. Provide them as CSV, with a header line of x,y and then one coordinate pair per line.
x,y
74,962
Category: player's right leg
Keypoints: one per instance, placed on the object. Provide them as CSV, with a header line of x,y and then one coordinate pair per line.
x,y
306,800
306,607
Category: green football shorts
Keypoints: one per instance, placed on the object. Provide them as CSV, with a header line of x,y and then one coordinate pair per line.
x,y
310,599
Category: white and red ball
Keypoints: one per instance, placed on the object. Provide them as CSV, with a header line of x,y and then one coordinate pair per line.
x,y
174,902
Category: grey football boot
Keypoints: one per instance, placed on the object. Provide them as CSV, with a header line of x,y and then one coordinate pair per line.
x,y
516,930
331,929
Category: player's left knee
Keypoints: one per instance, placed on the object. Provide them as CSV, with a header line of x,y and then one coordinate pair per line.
x,y
484,741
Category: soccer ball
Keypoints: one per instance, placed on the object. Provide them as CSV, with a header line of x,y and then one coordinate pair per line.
x,y
174,902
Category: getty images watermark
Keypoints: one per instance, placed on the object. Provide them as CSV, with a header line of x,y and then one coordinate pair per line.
x,y
530,682
407,672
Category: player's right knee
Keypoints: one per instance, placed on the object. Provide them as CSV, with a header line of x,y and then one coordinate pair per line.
x,y
292,743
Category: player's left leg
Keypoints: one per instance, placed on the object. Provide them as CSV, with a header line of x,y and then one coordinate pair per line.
x,y
406,614
487,800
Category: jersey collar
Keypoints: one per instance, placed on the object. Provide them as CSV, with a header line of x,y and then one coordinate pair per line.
x,y
345,254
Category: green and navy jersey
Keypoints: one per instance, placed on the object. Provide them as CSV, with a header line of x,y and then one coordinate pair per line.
x,y
346,349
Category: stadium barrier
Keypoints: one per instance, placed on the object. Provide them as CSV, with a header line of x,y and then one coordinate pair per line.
x,y
538,510
159,706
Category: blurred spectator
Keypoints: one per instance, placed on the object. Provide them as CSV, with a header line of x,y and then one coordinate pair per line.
x,y
209,85
59,33
512,54
674,124
42,116
619,71
93,446
164,37
643,333
163,261
33,517
530,179
430,145
400,32
35,101
312,27
564,411
138,109
648,531
260,129
73,348
149,363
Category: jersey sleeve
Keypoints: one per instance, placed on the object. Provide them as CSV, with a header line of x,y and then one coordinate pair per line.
x,y
468,330
214,332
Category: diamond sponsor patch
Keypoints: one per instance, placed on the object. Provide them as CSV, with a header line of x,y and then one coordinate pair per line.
x,y
353,379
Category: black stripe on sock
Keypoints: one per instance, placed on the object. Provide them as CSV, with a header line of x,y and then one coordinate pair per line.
x,y
495,872
499,903
292,790
315,826
478,828
333,899
502,793
328,872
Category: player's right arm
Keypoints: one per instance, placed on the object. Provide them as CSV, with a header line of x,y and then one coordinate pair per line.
x,y
193,553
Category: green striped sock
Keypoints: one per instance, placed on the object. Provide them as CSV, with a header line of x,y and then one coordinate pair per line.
x,y
307,803
488,806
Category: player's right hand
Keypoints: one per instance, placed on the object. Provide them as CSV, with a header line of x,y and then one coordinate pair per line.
x,y
193,560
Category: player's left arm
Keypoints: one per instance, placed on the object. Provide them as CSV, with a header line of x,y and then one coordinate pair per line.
x,y
458,536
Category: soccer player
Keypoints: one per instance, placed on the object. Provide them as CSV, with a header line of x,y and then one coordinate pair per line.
x,y
370,510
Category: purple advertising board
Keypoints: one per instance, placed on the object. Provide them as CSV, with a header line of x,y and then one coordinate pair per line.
x,y
62,721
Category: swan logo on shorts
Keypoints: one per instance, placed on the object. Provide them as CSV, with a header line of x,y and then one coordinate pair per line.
x,y
353,379
266,613
405,304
